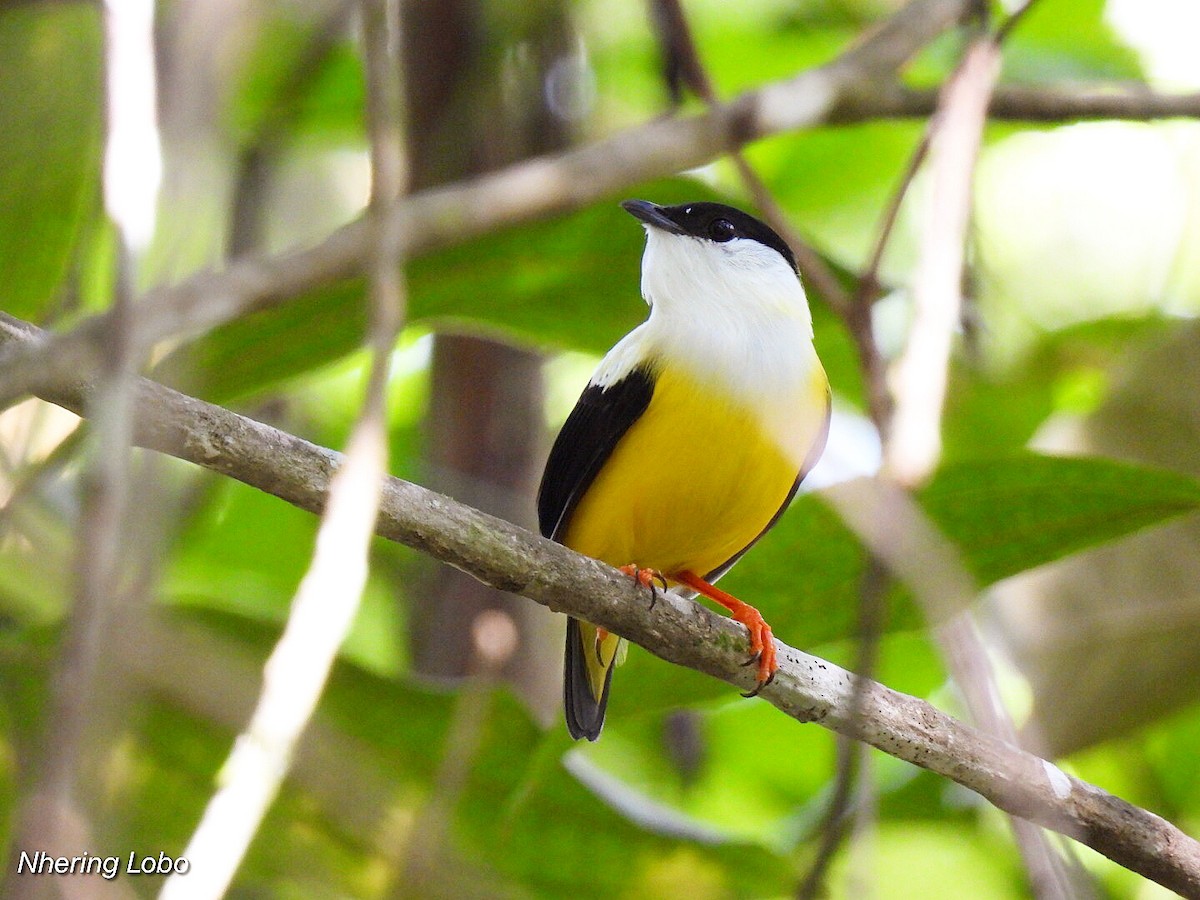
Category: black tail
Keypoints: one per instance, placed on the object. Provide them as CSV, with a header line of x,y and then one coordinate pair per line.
x,y
585,713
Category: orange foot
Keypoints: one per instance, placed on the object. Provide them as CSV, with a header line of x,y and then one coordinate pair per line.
x,y
762,641
646,578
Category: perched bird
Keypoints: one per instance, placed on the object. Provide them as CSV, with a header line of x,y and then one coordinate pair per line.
x,y
694,432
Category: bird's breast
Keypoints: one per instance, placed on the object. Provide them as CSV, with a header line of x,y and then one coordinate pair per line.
x,y
700,474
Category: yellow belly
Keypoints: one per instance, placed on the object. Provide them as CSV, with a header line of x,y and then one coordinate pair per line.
x,y
693,482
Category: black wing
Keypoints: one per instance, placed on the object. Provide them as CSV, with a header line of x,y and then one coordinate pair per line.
x,y
588,437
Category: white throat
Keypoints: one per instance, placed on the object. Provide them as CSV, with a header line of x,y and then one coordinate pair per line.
x,y
734,314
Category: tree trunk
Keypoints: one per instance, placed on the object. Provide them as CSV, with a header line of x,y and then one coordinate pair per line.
x,y
486,429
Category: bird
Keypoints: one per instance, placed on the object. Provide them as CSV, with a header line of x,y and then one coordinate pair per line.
x,y
694,432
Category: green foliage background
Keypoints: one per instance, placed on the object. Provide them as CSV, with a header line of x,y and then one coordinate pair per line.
x,y
535,816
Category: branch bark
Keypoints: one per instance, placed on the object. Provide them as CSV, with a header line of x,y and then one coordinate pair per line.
x,y
678,630
1050,104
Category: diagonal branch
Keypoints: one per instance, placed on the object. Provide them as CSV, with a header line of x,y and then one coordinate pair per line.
x,y
535,188
677,630
859,86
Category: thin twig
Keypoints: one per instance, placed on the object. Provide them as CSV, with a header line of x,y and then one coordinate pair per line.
x,y
919,375
261,151
1029,104
879,398
868,282
53,815
680,631
684,63
328,598
912,445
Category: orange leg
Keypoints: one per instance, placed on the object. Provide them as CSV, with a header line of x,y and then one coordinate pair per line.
x,y
762,642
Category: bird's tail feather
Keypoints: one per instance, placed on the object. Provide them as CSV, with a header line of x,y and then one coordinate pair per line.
x,y
587,674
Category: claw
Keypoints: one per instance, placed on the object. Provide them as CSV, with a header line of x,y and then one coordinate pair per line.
x,y
762,641
760,685
601,637
646,578
655,576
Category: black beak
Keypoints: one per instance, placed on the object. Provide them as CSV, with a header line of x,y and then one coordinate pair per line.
x,y
651,214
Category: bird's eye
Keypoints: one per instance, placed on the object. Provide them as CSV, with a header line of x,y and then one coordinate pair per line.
x,y
721,230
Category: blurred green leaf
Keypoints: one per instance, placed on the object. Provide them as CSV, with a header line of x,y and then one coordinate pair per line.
x,y
1068,42
1170,749
746,45
219,564
741,45
951,858
739,768
303,80
50,96
993,410
523,809
1010,515
244,554
752,768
